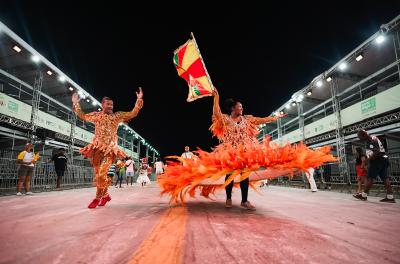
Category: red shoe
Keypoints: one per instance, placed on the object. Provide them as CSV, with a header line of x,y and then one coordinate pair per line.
x,y
104,200
94,203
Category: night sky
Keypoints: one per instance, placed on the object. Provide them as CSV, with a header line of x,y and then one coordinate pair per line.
x,y
259,55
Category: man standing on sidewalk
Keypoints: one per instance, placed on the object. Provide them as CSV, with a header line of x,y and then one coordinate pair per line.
x,y
378,166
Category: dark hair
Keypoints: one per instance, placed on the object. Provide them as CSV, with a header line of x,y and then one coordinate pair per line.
x,y
229,103
105,98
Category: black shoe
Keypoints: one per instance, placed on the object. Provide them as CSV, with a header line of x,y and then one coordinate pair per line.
x,y
386,200
359,197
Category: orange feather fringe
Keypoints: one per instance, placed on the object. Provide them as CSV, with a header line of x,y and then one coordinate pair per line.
x,y
183,178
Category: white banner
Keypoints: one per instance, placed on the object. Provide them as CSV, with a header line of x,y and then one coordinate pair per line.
x,y
83,135
323,125
15,108
378,104
53,123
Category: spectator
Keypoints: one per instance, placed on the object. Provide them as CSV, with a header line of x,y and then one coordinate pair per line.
x,y
310,178
361,168
378,166
111,172
26,160
187,154
130,170
159,165
60,165
121,170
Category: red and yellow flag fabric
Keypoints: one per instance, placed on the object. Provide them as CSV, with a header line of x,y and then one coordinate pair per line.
x,y
189,64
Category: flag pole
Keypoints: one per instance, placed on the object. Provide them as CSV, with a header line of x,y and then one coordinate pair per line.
x,y
201,58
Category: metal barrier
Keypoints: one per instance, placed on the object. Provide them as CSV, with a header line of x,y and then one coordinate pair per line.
x,y
330,177
44,178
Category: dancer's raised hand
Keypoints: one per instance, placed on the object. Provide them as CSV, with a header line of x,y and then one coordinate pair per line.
x,y
75,98
215,91
139,94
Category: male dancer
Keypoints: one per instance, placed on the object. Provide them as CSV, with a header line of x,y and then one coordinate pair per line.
x,y
104,147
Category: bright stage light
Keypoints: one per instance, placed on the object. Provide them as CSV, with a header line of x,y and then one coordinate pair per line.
x,y
343,66
359,57
17,49
81,95
61,79
329,79
35,59
49,72
319,83
309,93
71,88
300,98
287,106
380,39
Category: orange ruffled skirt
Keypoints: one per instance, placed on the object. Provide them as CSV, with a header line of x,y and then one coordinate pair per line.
x,y
94,150
184,177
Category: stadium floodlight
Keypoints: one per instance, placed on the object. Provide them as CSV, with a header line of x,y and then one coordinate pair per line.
x,y
71,88
319,83
81,94
309,93
88,100
61,79
35,58
49,72
299,98
281,112
343,66
359,57
329,79
293,103
17,49
380,39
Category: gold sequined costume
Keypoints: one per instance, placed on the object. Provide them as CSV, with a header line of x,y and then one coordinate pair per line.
x,y
104,147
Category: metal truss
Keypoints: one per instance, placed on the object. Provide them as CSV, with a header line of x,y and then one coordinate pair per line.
x,y
15,122
340,145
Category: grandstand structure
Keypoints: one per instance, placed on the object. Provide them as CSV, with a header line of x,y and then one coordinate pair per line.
x,y
35,105
361,91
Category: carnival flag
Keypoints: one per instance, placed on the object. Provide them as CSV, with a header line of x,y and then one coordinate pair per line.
x,y
190,66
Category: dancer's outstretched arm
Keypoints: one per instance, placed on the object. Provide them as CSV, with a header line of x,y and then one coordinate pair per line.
x,y
217,114
91,117
264,120
126,116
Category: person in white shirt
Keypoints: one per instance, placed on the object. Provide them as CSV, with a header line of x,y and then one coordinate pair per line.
x,y
26,160
159,165
187,154
311,180
130,170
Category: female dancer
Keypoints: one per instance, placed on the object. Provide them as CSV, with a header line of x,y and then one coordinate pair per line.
x,y
238,158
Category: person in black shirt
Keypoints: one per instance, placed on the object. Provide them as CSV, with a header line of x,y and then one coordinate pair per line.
x,y
60,165
378,166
